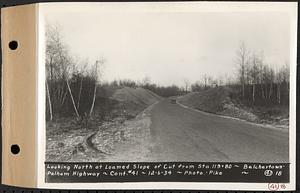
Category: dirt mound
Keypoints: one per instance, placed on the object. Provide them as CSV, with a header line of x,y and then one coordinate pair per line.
x,y
210,100
218,101
134,100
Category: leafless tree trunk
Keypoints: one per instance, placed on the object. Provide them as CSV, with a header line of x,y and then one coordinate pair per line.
x,y
49,101
205,79
255,72
64,97
186,85
94,98
278,93
262,90
271,72
253,92
242,59
266,90
95,88
79,94
72,98
271,89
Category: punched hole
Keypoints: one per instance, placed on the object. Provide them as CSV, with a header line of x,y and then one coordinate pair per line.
x,y
13,45
15,149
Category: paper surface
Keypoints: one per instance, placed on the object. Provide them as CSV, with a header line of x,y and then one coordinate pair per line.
x,y
114,120
19,95
166,95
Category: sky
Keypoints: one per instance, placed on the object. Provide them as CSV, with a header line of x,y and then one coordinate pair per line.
x,y
169,43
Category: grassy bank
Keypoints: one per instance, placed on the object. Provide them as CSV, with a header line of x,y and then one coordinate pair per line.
x,y
225,101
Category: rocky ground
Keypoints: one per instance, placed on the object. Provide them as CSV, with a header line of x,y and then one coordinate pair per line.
x,y
94,140
109,142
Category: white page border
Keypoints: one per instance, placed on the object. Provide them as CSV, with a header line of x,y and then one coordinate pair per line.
x,y
289,7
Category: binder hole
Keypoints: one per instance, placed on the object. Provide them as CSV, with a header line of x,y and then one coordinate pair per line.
x,y
13,45
15,149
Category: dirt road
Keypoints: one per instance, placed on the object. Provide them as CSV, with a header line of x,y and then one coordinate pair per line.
x,y
181,134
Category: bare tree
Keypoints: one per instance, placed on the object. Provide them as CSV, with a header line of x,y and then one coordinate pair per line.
x,y
146,81
95,75
261,76
205,80
282,79
186,85
271,80
220,80
68,71
55,67
81,74
49,101
79,93
254,72
286,73
258,81
59,69
72,98
278,79
242,57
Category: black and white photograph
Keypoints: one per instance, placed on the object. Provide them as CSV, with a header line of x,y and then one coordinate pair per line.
x,y
168,82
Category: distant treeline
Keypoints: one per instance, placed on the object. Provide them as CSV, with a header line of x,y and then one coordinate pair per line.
x,y
256,81
164,91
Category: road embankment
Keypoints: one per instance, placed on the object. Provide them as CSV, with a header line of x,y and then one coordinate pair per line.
x,y
218,101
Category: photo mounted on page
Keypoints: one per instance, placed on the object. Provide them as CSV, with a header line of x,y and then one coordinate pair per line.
x,y
169,92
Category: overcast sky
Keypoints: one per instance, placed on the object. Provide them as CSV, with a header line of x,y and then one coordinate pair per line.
x,y
169,46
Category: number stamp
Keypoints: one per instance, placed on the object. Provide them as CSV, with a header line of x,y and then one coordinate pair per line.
x,y
276,186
